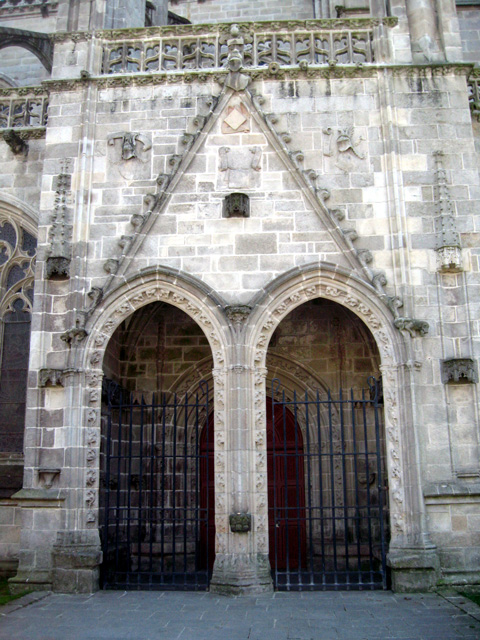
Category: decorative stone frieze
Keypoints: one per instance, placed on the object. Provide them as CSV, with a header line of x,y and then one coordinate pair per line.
x,y
459,370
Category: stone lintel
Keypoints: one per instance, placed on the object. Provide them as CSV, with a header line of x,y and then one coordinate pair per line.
x,y
236,574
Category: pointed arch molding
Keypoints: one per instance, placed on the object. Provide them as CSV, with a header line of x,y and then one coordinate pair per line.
x,y
328,281
152,285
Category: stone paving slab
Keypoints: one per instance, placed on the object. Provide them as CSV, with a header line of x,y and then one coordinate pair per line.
x,y
140,615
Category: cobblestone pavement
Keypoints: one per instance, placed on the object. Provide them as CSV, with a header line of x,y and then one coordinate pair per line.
x,y
141,615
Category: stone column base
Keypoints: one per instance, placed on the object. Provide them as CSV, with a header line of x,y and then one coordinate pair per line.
x,y
30,581
413,569
76,562
236,574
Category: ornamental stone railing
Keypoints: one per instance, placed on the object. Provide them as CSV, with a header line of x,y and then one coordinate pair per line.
x,y
20,109
474,95
203,47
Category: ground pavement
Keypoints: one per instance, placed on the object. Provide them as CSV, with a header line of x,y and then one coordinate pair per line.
x,y
141,615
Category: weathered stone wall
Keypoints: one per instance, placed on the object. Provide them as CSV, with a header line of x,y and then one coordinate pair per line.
x,y
238,10
469,22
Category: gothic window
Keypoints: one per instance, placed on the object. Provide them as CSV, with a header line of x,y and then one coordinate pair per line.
x,y
17,259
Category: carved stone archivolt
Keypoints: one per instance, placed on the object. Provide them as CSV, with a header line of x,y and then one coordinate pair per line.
x,y
356,297
104,322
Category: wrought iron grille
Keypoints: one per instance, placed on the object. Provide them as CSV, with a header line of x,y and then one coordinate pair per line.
x,y
157,492
327,493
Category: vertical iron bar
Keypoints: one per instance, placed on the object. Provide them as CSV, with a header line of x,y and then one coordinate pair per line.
x,y
153,526
380,488
309,480
140,489
174,490
163,462
369,503
297,488
196,503
345,495
129,492
207,528
358,512
119,478
332,490
185,461
285,483
320,486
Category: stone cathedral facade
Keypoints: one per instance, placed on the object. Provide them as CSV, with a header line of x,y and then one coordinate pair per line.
x,y
239,294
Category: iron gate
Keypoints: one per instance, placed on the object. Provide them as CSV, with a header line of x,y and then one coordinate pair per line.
x,y
157,491
326,491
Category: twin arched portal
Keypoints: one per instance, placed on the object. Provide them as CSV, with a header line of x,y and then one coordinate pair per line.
x,y
250,442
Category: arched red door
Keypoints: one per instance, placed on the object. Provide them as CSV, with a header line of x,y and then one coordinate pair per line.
x,y
207,497
286,490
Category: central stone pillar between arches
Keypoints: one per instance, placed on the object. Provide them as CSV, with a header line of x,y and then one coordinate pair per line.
x,y
241,562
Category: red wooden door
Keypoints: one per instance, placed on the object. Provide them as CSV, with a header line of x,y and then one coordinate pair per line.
x,y
207,497
286,491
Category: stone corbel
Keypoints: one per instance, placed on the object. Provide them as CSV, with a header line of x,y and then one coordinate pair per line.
x,y
15,142
78,332
46,477
412,326
240,522
57,266
459,370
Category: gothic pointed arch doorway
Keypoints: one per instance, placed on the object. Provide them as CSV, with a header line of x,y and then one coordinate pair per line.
x,y
156,505
327,489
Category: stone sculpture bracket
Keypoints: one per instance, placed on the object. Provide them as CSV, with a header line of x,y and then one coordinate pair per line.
x,y
240,522
412,326
459,370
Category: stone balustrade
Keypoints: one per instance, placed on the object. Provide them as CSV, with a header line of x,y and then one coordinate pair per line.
x,y
282,44
474,95
20,109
